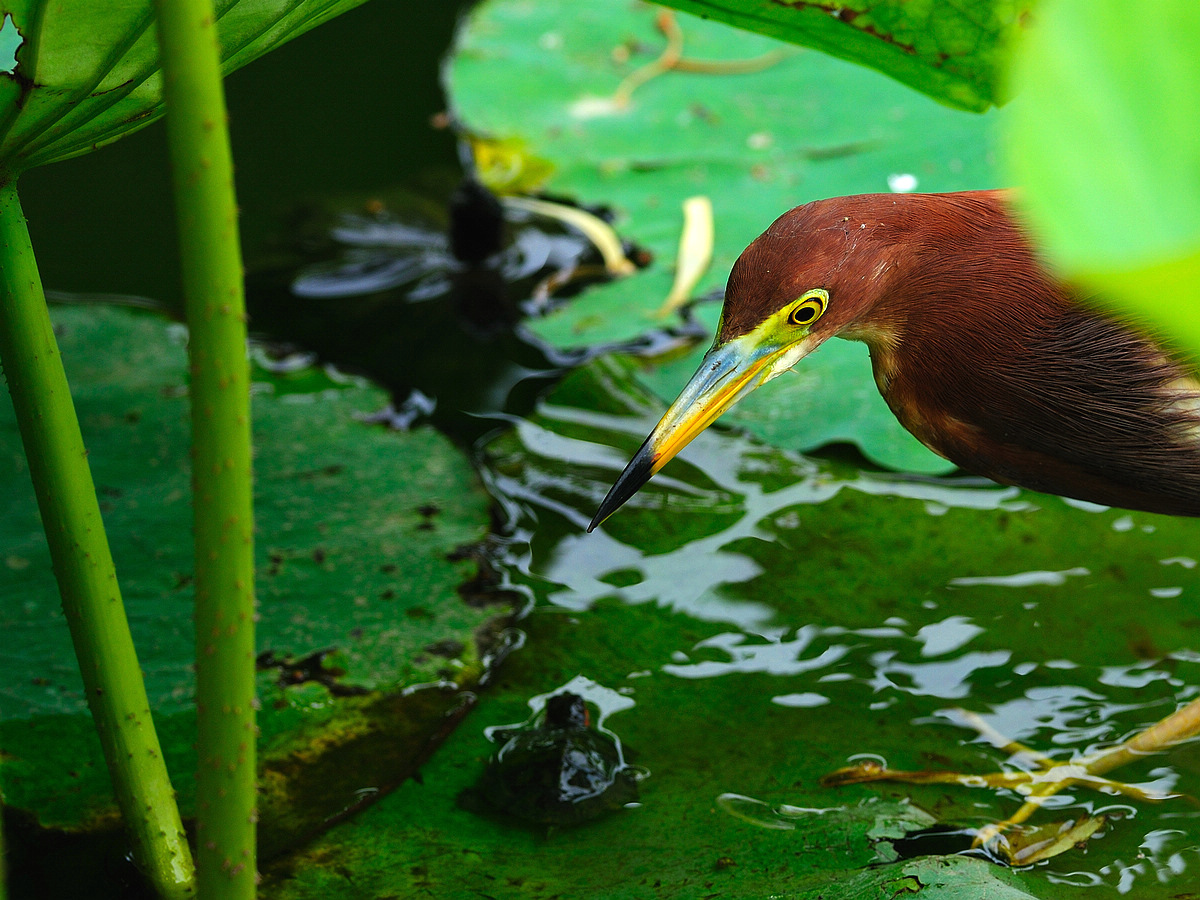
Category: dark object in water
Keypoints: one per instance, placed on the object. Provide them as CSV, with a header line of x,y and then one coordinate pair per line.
x,y
476,229
557,770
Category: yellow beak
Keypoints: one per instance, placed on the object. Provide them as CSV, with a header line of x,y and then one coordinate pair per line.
x,y
726,374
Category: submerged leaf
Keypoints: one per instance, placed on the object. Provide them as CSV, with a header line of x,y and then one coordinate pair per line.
x,y
1025,846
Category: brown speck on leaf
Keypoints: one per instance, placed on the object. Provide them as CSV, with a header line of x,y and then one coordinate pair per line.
x,y
450,649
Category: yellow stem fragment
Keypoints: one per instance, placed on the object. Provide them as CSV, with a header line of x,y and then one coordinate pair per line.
x,y
672,58
594,228
695,252
664,63
734,66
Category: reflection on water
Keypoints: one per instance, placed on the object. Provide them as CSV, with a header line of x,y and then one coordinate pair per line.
x,y
827,589
771,657
426,295
1021,579
1165,857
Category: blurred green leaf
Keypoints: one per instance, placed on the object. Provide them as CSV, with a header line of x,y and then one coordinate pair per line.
x,y
87,72
953,52
755,143
1105,141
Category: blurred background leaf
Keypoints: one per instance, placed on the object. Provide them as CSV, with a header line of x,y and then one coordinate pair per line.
x,y
953,52
1105,143
87,73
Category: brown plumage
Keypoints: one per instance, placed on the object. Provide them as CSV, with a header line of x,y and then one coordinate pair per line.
x,y
979,351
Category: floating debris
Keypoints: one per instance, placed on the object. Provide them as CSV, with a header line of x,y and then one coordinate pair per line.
x,y
695,252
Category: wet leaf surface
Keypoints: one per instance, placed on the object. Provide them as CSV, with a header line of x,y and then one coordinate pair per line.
x,y
363,543
773,618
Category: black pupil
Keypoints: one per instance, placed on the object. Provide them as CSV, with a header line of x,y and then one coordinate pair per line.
x,y
804,314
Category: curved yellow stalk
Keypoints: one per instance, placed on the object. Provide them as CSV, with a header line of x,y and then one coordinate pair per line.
x,y
695,252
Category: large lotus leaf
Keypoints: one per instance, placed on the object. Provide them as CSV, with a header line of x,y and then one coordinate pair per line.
x,y
1106,142
87,72
952,52
762,619
359,557
756,143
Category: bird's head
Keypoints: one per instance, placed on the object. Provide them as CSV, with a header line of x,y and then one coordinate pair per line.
x,y
815,273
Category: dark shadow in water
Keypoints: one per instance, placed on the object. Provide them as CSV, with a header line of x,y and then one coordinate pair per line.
x,y
430,305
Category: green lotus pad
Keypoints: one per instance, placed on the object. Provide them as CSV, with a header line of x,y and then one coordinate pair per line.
x,y
364,541
762,620
687,838
758,143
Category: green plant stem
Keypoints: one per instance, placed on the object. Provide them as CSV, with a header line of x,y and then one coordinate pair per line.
x,y
3,868
83,562
206,211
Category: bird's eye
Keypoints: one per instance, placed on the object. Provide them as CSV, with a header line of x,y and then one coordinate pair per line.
x,y
809,309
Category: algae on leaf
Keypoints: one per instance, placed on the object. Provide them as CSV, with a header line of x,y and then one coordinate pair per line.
x,y
364,540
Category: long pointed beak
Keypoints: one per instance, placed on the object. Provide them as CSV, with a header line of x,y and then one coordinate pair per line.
x,y
726,374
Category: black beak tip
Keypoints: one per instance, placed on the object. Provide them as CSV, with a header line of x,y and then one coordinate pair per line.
x,y
612,501
636,474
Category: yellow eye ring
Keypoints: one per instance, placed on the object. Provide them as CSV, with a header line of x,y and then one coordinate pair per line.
x,y
809,308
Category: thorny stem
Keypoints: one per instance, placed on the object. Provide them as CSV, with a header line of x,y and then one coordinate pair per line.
x,y
206,212
83,563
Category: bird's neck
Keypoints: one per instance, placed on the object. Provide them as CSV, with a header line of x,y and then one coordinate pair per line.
x,y
1006,372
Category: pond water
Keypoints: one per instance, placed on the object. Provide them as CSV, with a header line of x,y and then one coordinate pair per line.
x,y
767,618
792,615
